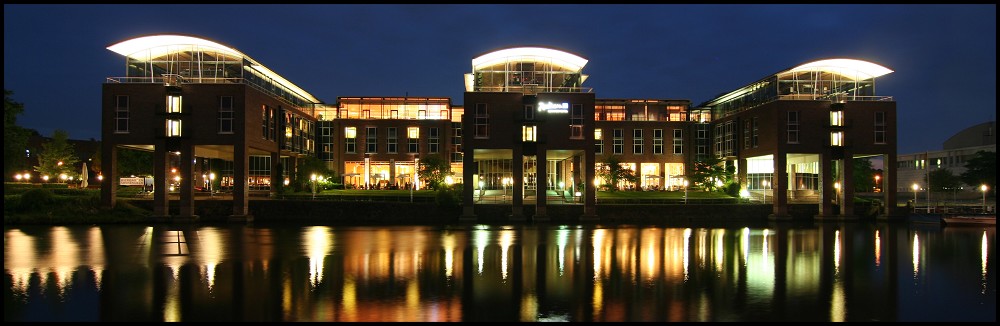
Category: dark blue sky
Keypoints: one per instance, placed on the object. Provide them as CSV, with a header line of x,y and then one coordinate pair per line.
x,y
944,56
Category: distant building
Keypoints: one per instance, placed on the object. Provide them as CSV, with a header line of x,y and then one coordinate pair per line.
x,y
528,132
955,152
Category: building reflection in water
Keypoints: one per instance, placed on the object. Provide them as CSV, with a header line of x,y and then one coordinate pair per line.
x,y
826,272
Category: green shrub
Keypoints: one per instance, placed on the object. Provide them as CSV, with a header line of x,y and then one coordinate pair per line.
x,y
448,196
55,186
36,199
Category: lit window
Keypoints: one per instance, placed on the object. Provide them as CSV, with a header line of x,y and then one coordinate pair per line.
x,y
837,118
413,132
837,138
173,104
597,134
173,128
350,143
528,133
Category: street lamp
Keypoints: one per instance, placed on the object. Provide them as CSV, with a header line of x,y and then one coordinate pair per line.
x,y
877,178
763,184
983,188
313,179
915,188
685,191
211,180
836,188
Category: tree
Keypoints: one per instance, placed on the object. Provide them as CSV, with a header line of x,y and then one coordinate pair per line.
x,y
306,168
58,157
864,175
134,162
15,138
943,180
712,173
614,172
981,169
433,170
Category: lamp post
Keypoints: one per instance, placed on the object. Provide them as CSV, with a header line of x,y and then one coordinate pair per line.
x,y
685,191
983,188
915,188
877,178
211,180
836,188
763,184
313,179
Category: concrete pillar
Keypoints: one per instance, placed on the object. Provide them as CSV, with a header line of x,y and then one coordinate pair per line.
x,y
779,187
590,191
468,171
276,179
241,167
392,172
109,169
847,186
742,173
517,165
827,194
161,203
541,185
187,181
889,186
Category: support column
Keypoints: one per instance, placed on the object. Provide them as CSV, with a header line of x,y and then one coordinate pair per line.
x,y
847,187
590,191
741,167
468,171
109,169
541,186
779,188
277,180
187,182
392,173
517,164
241,167
828,193
161,203
889,182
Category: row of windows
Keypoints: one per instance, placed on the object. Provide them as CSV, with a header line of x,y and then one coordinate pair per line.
x,y
618,141
371,139
174,105
482,121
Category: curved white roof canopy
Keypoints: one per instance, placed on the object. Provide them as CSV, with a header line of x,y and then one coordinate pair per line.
x,y
153,46
559,58
849,68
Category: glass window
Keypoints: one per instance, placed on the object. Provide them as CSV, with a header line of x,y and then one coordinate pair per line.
x,y
173,127
350,139
637,141
371,140
121,114
678,141
619,141
657,141
793,127
598,141
226,115
173,104
391,140
528,133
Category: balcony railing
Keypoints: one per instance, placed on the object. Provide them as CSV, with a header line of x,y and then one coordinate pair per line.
x,y
177,80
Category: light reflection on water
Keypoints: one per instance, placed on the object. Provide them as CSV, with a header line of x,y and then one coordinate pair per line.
x,y
819,272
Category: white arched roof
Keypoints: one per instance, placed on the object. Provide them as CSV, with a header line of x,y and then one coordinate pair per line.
x,y
537,54
163,44
153,46
850,68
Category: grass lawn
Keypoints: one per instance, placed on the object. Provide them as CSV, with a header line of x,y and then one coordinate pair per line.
x,y
392,193
660,194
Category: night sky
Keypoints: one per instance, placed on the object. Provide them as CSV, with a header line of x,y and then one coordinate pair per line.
x,y
944,56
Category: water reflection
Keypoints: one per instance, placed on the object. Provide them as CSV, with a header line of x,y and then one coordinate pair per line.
x,y
821,272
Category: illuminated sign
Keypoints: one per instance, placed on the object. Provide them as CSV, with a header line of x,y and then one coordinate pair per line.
x,y
553,107
131,182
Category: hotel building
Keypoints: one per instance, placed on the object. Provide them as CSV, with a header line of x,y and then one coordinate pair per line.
x,y
793,135
533,134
